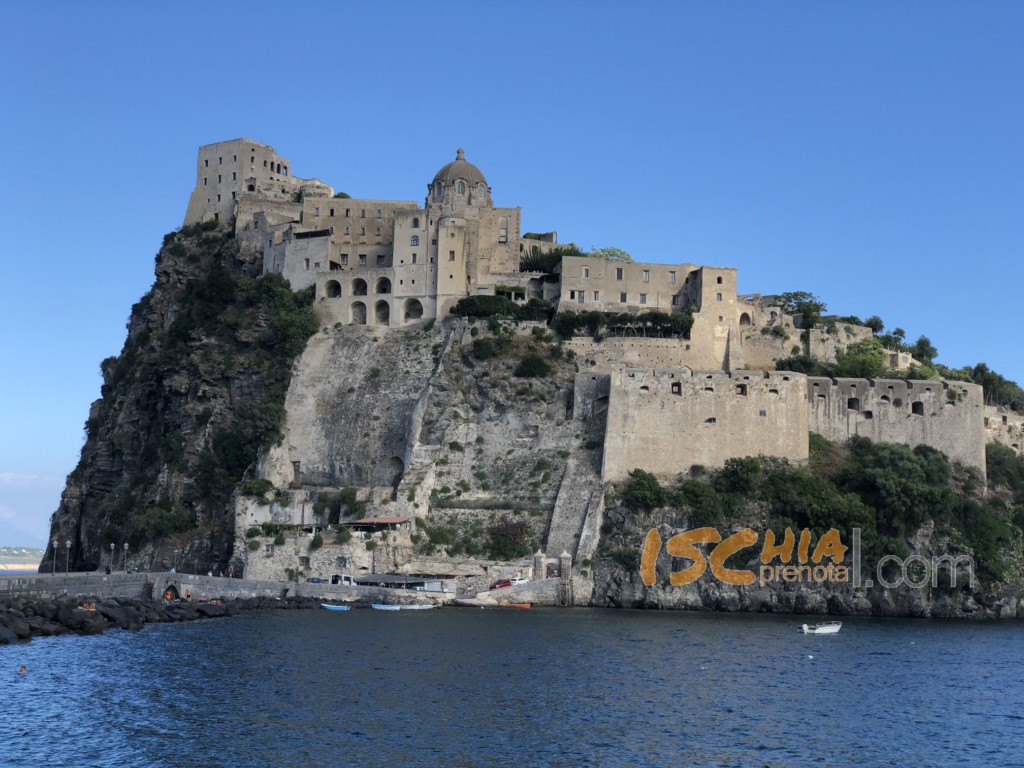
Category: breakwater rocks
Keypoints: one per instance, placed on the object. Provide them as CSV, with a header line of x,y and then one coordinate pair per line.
x,y
23,619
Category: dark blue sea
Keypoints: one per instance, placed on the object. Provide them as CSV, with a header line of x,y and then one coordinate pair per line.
x,y
542,687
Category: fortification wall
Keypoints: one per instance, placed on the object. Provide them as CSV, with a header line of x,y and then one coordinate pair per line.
x,y
616,353
1002,426
946,415
668,420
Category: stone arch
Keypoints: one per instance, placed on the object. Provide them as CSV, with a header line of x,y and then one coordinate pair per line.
x,y
413,310
358,313
383,285
359,287
171,593
744,319
333,289
414,240
383,313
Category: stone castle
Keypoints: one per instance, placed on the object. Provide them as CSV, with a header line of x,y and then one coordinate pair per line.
x,y
660,404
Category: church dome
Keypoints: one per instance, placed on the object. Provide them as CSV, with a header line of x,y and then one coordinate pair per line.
x,y
460,168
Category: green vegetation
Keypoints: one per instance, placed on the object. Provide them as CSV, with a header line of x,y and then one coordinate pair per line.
x,y
499,306
537,261
652,324
887,491
534,367
509,539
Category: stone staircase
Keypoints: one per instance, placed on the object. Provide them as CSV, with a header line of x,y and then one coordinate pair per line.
x,y
579,493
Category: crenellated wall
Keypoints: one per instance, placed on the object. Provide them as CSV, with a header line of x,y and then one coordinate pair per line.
x,y
947,415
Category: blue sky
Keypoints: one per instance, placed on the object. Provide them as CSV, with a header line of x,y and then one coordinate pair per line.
x,y
868,152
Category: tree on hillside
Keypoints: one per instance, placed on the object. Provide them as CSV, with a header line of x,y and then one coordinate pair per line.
x,y
924,350
875,324
802,303
864,359
610,254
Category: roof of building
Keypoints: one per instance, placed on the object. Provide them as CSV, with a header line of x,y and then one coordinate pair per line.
x,y
460,168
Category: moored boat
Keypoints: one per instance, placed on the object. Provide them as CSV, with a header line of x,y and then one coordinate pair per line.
x,y
519,605
392,607
825,628
329,607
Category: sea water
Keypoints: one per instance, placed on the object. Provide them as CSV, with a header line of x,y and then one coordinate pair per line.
x,y
540,687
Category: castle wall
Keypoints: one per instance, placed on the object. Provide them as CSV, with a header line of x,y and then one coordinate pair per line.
x,y
1002,426
615,352
945,415
666,421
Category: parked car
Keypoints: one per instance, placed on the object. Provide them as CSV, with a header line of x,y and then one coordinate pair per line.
x,y
518,581
501,584
315,580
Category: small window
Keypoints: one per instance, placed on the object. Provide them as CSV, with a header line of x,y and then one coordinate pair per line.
x,y
304,562
718,280
414,258
377,232
362,259
647,275
348,213
206,163
204,181
378,213
344,259
586,272
332,212
451,255
381,260
316,211
597,295
677,388
643,298
415,223
362,213
234,176
711,420
675,301
853,404
762,413
741,389
618,273
917,408
362,230
672,278
414,240
307,263
580,296
718,297
219,178
461,187
622,298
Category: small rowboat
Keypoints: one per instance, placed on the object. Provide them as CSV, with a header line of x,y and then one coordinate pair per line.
x,y
519,605
329,607
825,628
388,607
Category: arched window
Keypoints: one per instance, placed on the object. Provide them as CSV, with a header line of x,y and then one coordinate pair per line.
x,y
333,288
461,187
503,229
415,223
414,240
437,190
359,287
383,286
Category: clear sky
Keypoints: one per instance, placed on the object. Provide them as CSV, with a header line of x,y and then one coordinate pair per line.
x,y
870,153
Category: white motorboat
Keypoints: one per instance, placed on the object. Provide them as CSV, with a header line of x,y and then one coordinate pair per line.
x,y
825,628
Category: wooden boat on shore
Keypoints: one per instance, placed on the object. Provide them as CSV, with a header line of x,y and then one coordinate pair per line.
x,y
329,607
825,628
519,605
395,607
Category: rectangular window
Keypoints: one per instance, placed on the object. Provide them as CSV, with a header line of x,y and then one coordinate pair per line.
x,y
377,232
332,212
503,235
618,273
219,178
378,213
381,260
307,263
348,212
586,272
580,296
317,210
347,231
414,258
643,298
204,181
622,298
344,259
332,230
647,275
234,176
675,301
206,163
362,230
451,255
718,297
672,278
362,259
362,213
597,295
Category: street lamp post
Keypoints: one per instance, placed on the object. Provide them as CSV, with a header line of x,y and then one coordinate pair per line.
x,y
55,543
175,561
67,557
125,562
111,557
